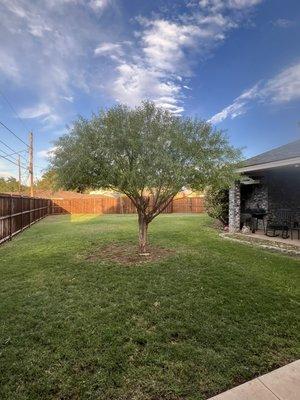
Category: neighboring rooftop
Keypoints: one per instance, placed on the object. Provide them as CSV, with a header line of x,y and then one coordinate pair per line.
x,y
285,152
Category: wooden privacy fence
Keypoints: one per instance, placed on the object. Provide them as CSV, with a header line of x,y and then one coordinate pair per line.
x,y
107,205
19,212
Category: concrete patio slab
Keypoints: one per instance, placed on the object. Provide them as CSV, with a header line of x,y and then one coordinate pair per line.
x,y
277,239
280,384
253,390
284,382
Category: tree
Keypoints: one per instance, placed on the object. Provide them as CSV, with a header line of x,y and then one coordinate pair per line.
x,y
146,153
48,181
217,203
11,185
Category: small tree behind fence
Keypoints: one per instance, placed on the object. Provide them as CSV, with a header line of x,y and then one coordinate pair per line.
x,y
19,212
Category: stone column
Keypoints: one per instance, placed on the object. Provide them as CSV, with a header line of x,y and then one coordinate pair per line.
x,y
235,208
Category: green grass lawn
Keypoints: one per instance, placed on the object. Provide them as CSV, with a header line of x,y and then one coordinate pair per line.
x,y
211,316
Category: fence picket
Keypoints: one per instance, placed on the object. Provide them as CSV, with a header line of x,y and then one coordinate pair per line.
x,y
19,212
107,205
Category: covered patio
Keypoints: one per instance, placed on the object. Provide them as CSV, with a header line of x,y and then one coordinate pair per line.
x,y
265,202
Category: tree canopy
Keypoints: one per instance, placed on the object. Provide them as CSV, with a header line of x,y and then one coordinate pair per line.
x,y
10,185
146,153
48,181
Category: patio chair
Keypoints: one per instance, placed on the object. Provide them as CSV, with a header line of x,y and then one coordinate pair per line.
x,y
295,227
279,224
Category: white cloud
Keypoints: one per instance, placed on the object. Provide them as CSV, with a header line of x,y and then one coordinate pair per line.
x,y
96,5
48,46
112,50
8,66
154,73
46,153
283,88
106,47
164,43
167,50
39,110
70,99
239,4
99,5
218,5
238,107
136,83
35,23
45,50
283,23
42,111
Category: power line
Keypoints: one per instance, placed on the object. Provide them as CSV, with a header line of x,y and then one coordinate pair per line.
x,y
14,110
13,159
13,133
7,159
16,152
10,148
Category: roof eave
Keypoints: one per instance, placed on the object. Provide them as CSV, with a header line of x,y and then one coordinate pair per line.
x,y
270,165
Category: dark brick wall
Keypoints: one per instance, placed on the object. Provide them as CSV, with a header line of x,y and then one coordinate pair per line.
x,y
255,196
279,189
284,190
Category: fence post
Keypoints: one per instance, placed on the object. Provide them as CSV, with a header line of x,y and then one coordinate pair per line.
x,y
10,217
22,213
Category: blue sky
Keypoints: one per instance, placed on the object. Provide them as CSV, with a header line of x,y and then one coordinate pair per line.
x,y
235,63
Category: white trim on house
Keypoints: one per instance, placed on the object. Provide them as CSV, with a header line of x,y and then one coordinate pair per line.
x,y
269,165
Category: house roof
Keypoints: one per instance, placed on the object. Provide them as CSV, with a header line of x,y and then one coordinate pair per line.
x,y
285,152
283,156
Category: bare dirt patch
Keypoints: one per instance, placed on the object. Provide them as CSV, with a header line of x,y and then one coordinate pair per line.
x,y
128,254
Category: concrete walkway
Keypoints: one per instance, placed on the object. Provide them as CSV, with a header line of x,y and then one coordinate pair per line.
x,y
282,384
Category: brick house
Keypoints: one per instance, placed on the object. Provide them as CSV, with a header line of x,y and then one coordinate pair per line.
x,y
269,181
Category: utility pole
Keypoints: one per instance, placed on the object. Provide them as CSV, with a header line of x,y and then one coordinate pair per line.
x,y
31,162
20,177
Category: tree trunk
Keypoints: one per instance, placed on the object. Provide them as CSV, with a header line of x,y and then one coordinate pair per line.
x,y
143,232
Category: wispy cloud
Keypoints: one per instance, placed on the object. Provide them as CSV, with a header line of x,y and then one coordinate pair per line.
x,y
138,82
238,107
112,50
217,5
8,66
282,88
283,23
167,50
285,86
44,50
44,112
47,153
40,110
99,5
